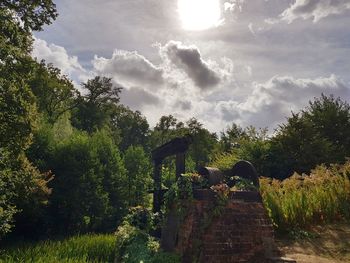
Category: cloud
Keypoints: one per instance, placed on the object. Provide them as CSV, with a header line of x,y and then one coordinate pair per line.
x,y
271,102
251,28
185,105
129,68
234,5
189,60
314,9
137,98
56,55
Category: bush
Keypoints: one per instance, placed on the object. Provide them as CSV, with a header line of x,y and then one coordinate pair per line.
x,y
304,200
135,245
140,217
88,192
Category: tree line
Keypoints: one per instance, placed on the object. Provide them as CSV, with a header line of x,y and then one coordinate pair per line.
x,y
74,162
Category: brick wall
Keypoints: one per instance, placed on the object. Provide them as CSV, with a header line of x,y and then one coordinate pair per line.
x,y
241,233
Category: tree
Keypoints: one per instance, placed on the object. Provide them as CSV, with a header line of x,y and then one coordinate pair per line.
x,y
166,129
96,108
54,92
203,145
330,117
23,188
88,188
133,128
33,14
231,137
17,116
248,144
319,134
139,171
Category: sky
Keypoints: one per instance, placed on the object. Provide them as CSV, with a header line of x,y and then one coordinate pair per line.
x,y
249,62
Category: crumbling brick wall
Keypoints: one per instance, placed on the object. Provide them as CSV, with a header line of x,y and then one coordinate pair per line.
x,y
241,233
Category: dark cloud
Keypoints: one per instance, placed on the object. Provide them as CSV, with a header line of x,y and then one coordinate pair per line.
x,y
229,110
185,105
188,58
136,98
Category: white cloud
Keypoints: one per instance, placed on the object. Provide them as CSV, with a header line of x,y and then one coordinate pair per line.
x,y
314,9
56,55
251,28
129,68
169,87
234,5
271,102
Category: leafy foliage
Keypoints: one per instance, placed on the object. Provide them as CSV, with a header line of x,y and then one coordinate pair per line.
x,y
136,245
23,188
132,126
33,14
54,93
95,109
88,186
139,180
316,135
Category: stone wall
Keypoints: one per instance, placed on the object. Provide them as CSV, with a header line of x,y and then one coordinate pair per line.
x,y
242,232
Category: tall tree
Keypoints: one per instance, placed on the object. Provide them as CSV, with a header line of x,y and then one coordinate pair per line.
x,y
97,106
139,169
318,134
132,126
54,92
25,187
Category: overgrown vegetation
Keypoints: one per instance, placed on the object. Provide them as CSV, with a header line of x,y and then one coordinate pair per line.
x,y
134,242
76,162
305,200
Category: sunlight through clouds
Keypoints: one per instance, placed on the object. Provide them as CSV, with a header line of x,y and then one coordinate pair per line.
x,y
199,14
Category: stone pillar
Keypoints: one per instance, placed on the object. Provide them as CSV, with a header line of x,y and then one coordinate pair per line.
x,y
180,164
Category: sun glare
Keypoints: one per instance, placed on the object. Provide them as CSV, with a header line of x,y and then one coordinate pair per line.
x,y
199,14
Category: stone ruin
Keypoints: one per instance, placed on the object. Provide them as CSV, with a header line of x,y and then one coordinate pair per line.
x,y
242,232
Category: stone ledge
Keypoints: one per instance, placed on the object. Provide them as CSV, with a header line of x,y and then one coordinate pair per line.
x,y
280,260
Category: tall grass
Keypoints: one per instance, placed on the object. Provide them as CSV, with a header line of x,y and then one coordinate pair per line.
x,y
78,249
304,200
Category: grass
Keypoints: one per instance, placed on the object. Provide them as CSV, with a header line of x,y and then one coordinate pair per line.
x,y
305,200
77,249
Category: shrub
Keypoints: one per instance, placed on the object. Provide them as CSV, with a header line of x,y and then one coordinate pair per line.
x,y
136,245
140,217
88,192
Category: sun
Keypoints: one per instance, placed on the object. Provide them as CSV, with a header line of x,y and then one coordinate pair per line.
x,y
199,14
